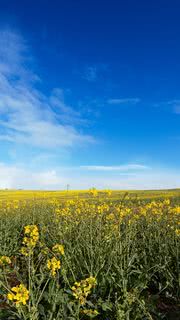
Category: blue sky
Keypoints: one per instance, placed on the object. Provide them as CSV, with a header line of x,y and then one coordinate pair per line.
x,y
89,94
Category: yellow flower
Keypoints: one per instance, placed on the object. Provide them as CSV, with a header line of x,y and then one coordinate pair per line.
x,y
24,251
166,202
108,192
30,240
93,192
90,312
10,296
53,265
83,288
57,211
19,295
4,260
58,248
110,216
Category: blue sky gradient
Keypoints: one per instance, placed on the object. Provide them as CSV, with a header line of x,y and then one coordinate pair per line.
x,y
89,94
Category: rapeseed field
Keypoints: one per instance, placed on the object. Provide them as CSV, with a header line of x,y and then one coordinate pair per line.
x,y
92,254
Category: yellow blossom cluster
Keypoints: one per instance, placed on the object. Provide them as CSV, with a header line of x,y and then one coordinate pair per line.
x,y
58,248
4,261
102,207
30,239
93,192
53,265
83,288
108,192
19,295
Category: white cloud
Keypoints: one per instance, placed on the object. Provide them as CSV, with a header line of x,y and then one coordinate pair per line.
x,y
14,177
27,116
126,167
124,101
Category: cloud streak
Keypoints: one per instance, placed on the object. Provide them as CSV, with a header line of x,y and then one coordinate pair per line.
x,y
126,167
123,101
27,115
175,104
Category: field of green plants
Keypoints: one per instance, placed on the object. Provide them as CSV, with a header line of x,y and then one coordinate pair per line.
x,y
81,255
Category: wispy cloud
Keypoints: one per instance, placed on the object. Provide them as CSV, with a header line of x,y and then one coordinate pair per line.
x,y
90,73
126,167
169,105
27,115
94,72
175,104
121,101
124,101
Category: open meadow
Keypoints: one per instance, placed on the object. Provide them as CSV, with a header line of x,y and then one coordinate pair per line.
x,y
89,254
